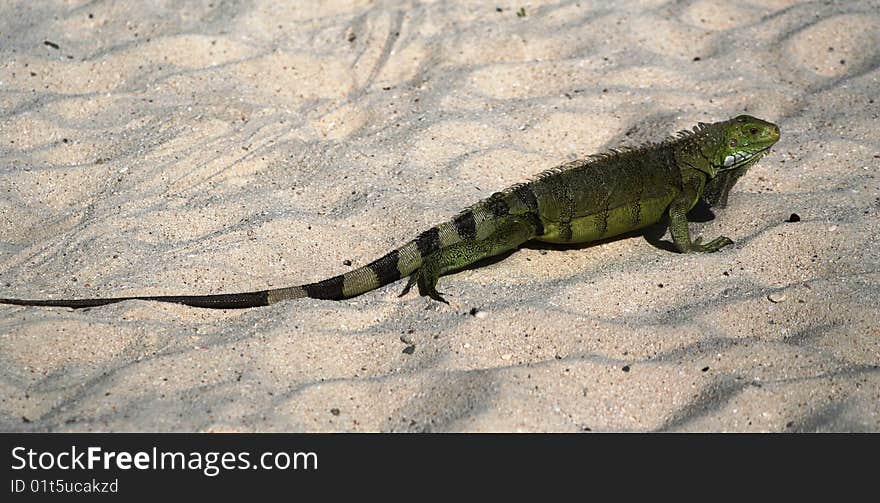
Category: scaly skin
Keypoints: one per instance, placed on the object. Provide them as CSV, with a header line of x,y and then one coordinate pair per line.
x,y
581,201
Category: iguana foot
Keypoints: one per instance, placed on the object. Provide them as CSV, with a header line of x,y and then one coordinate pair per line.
x,y
427,282
426,278
712,246
409,283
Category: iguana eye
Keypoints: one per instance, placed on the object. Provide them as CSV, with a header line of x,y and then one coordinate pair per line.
x,y
753,130
733,142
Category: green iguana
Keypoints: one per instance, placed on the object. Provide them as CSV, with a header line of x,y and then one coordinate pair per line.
x,y
585,200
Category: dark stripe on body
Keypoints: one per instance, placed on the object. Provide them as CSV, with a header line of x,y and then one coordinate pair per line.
x,y
386,268
527,196
428,242
565,230
497,205
636,212
535,221
465,225
603,219
329,289
636,207
564,198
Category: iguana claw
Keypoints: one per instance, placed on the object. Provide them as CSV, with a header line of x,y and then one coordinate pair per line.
x,y
427,284
710,247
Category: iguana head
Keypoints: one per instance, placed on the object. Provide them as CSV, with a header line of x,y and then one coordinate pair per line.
x,y
726,150
728,146
741,141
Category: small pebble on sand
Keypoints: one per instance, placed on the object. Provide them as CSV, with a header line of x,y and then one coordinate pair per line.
x,y
777,297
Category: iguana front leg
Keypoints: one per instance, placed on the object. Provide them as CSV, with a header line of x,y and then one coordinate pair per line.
x,y
717,189
678,223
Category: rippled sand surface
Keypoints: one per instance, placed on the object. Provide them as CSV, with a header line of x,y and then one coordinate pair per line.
x,y
152,148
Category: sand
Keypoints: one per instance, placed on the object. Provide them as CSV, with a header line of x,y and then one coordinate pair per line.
x,y
226,146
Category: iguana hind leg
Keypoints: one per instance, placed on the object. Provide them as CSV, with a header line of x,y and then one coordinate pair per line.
x,y
509,234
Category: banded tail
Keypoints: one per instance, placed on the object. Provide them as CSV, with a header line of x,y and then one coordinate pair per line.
x,y
391,267
387,269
